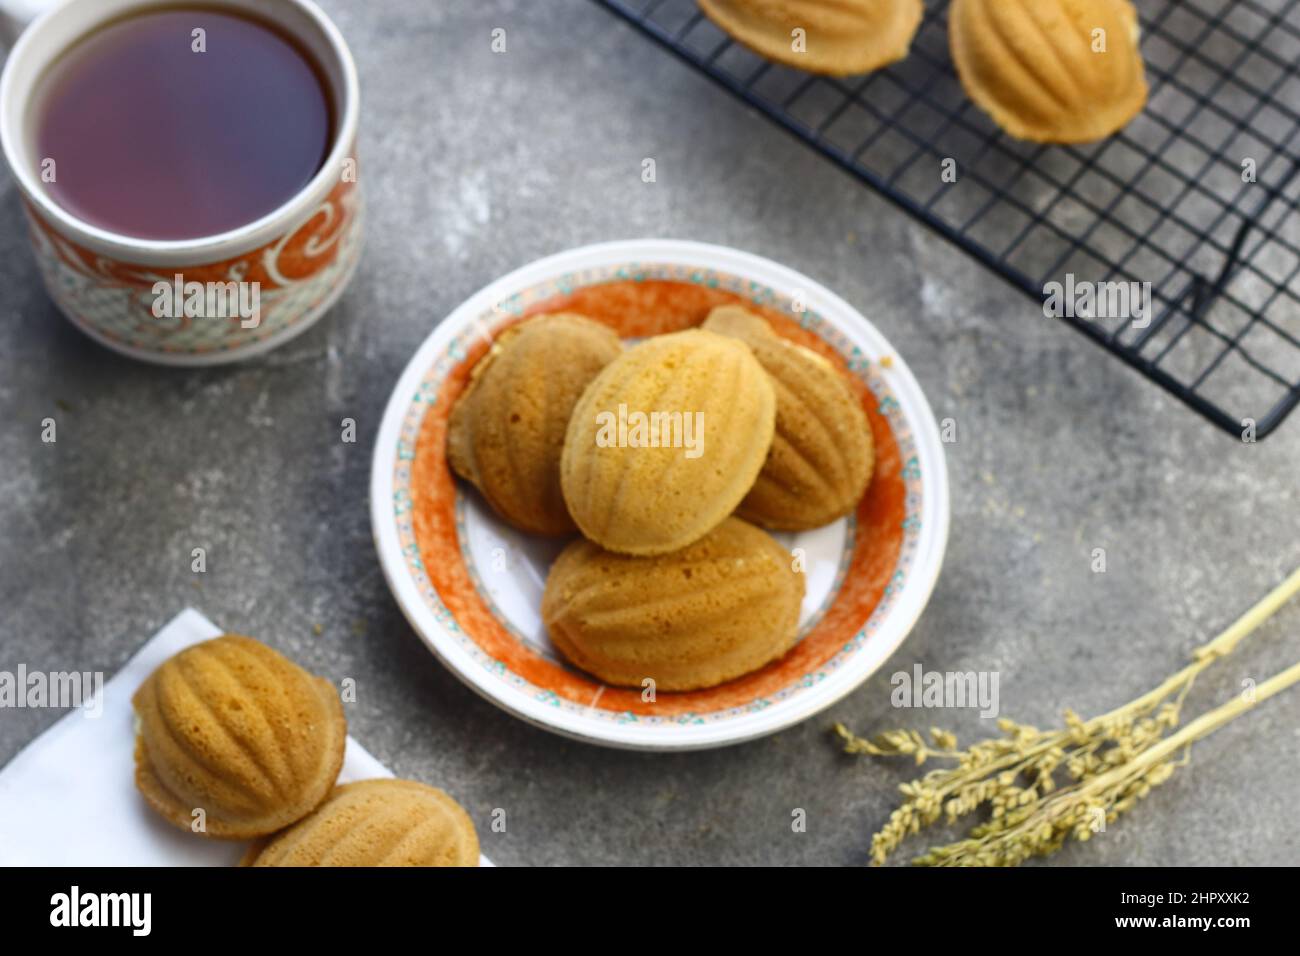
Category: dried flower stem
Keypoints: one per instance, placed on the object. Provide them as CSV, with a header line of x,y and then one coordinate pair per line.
x,y
1112,761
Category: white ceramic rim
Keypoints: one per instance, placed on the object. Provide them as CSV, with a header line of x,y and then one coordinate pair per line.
x,y
180,252
894,628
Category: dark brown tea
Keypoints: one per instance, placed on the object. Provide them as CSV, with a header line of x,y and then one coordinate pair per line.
x,y
180,122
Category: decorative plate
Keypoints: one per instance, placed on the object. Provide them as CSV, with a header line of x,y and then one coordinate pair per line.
x,y
471,586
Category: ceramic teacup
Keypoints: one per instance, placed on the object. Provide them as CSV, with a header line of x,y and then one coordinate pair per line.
x,y
300,255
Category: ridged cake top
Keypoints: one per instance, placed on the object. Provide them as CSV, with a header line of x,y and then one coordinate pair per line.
x,y
823,452
839,37
236,730
507,430
666,441
1058,71
377,823
721,607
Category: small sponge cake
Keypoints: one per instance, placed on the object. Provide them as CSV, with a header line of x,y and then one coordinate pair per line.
x,y
1050,71
376,823
666,441
823,453
837,37
507,428
719,608
236,741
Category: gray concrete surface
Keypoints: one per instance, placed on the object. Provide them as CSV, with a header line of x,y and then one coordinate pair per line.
x,y
476,163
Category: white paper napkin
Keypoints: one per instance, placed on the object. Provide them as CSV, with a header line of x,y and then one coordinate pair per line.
x,y
69,797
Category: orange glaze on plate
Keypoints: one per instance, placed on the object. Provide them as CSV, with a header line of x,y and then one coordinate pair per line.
x,y
635,309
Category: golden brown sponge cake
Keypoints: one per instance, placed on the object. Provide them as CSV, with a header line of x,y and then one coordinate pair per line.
x,y
507,429
719,608
234,729
376,823
823,453
839,37
1050,71
666,441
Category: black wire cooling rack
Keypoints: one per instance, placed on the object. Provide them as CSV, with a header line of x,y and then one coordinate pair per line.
x,y
1163,201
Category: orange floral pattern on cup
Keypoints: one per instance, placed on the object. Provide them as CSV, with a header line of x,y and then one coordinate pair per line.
x,y
298,273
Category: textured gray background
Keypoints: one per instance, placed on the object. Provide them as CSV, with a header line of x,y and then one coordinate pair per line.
x,y
476,163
